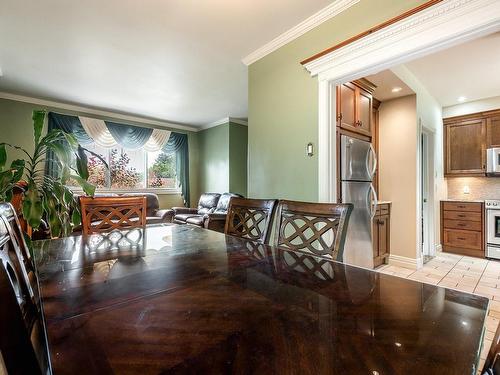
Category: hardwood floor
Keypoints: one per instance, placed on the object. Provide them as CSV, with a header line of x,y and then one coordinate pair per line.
x,y
467,274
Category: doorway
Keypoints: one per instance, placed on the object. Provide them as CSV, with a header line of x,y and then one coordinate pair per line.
x,y
427,206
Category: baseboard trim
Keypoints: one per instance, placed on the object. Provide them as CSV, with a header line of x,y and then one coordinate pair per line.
x,y
405,262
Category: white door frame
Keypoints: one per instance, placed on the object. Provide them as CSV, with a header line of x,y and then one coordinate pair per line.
x,y
440,26
429,239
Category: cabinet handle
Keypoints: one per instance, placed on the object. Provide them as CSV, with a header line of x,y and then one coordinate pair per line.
x,y
339,116
461,216
461,239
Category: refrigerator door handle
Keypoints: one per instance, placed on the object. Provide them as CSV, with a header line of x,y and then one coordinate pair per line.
x,y
374,161
373,210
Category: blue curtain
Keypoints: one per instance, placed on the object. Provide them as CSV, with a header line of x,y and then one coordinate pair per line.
x,y
68,124
128,136
178,143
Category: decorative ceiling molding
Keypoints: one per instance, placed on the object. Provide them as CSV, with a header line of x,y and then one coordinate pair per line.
x,y
223,121
97,112
310,23
441,26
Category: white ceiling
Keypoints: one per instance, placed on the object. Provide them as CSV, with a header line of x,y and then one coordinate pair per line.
x,y
175,60
470,69
385,82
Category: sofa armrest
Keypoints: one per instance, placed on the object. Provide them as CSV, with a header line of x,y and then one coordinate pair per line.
x,y
215,222
165,215
184,210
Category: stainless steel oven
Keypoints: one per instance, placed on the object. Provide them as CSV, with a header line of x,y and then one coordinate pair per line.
x,y
492,229
493,161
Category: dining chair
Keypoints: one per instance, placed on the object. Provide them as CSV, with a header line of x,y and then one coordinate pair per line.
x,y
314,228
105,214
14,228
23,342
250,218
492,362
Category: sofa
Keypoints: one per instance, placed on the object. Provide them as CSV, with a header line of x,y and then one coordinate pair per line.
x,y
210,214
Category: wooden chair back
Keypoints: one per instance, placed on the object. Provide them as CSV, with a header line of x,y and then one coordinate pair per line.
x,y
23,341
105,214
314,228
492,362
250,218
16,232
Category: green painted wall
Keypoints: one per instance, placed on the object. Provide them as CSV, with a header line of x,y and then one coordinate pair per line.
x,y
214,157
283,104
223,158
16,128
238,158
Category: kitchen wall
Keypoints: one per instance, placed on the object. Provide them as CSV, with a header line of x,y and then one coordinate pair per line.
x,y
223,158
283,104
17,129
429,118
480,188
398,171
472,107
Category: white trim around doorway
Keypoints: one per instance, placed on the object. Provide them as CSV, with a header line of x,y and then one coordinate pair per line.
x,y
438,27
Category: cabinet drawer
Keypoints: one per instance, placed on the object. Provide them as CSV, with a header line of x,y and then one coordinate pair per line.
x,y
460,215
382,209
463,239
467,225
463,206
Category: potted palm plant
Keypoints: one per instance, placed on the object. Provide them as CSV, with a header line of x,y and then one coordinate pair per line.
x,y
47,197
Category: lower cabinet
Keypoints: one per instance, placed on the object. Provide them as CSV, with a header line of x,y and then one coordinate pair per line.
x,y
462,228
381,234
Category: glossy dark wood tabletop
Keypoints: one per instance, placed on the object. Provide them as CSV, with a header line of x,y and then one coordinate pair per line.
x,y
180,299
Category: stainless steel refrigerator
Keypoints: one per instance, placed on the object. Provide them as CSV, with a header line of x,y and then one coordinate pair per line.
x,y
357,168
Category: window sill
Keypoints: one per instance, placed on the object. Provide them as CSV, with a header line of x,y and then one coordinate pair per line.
x,y
151,190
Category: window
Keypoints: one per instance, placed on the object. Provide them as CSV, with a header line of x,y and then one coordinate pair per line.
x,y
132,169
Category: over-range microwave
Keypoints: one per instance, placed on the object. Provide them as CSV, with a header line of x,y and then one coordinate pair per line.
x,y
493,161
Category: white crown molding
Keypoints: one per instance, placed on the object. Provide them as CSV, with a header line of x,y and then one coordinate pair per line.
x,y
223,121
310,23
435,28
97,112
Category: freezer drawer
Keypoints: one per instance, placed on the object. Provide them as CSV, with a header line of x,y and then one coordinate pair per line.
x,y
358,247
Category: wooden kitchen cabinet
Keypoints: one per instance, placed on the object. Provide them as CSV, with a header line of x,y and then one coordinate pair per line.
x,y
465,147
381,234
493,131
462,228
354,107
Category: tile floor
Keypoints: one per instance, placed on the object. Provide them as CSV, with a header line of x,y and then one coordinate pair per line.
x,y
472,275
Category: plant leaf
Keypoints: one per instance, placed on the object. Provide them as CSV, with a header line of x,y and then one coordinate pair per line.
x,y
32,207
3,156
17,167
87,187
61,152
82,163
38,120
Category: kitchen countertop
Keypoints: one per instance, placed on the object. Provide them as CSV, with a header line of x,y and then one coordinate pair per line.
x,y
464,200
384,202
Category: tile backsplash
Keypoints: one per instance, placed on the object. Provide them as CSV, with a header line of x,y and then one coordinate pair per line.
x,y
479,188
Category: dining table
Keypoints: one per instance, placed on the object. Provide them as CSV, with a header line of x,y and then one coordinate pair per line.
x,y
179,299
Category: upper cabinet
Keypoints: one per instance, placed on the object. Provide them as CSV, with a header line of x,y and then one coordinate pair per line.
x,y
354,106
493,131
465,147
466,139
